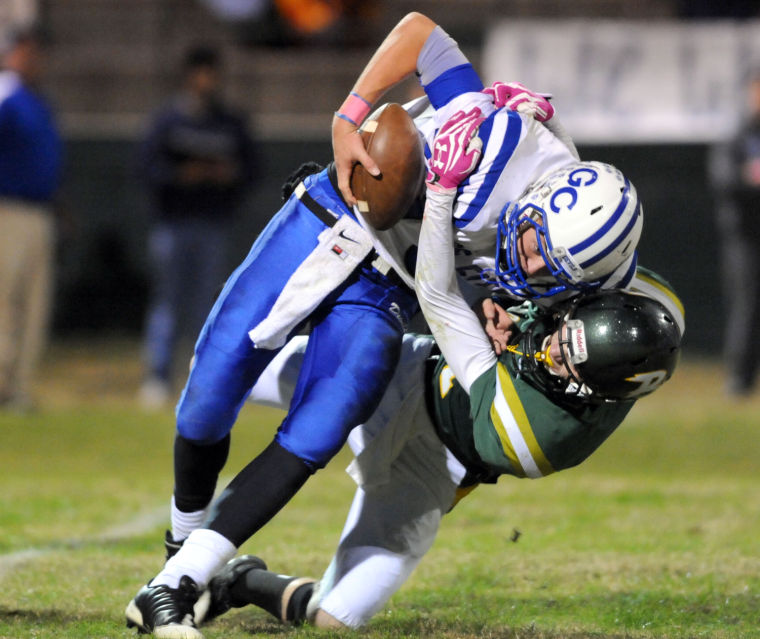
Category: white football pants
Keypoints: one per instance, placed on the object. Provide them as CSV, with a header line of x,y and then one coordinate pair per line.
x,y
407,480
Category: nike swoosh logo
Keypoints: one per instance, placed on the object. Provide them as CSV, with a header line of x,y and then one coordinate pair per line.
x,y
345,237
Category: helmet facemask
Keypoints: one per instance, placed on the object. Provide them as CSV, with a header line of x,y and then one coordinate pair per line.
x,y
533,352
514,222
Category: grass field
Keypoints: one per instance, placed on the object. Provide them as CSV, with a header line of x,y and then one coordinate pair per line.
x,y
657,535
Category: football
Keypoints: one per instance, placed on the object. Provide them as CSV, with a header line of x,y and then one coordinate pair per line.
x,y
392,140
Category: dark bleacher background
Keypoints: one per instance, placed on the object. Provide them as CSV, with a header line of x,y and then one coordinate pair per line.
x,y
112,62
103,274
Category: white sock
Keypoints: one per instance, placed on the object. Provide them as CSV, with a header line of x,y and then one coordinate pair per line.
x,y
202,555
185,523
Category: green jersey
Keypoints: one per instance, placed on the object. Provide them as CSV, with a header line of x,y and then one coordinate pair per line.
x,y
506,426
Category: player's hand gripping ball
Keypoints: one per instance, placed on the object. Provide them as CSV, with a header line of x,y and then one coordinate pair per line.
x,y
392,140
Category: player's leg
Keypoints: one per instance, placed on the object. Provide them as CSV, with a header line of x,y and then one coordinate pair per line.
x,y
226,365
261,489
408,480
351,354
350,357
276,385
388,530
387,533
225,368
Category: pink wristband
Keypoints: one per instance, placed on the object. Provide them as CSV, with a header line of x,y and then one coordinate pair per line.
x,y
354,109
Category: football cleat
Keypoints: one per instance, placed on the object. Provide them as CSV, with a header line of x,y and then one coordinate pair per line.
x,y
218,599
166,612
172,546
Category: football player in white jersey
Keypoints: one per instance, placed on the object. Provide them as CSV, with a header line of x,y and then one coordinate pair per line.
x,y
587,215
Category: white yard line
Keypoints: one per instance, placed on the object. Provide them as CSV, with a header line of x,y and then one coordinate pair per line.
x,y
9,562
141,523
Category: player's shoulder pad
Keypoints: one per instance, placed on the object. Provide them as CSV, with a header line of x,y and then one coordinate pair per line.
x,y
647,282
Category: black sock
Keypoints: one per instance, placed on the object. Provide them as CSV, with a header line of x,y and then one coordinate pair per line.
x,y
257,493
264,589
196,470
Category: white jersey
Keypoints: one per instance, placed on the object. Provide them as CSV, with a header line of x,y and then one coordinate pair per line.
x,y
517,151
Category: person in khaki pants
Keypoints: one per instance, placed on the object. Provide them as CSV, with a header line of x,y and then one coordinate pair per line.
x,y
30,158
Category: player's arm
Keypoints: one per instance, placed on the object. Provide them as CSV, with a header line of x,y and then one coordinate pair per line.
x,y
394,60
416,44
456,328
519,430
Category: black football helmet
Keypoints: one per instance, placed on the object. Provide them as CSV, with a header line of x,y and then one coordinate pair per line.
x,y
621,345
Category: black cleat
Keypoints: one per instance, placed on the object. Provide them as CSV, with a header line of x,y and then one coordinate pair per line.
x,y
218,599
166,612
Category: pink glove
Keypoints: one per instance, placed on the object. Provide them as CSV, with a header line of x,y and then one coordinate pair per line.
x,y
456,151
517,97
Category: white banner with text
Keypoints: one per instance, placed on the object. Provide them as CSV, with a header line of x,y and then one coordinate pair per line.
x,y
622,82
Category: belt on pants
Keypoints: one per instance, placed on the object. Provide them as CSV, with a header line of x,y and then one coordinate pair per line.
x,y
329,219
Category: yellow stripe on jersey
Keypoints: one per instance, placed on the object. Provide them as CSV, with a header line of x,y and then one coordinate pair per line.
x,y
513,427
445,381
506,445
461,494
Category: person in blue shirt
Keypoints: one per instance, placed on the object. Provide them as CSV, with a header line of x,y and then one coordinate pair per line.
x,y
30,168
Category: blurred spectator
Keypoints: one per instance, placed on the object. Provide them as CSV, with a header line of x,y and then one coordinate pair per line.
x,y
198,160
30,163
735,176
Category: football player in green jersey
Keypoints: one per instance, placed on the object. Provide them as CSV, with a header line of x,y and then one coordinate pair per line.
x,y
541,401
563,385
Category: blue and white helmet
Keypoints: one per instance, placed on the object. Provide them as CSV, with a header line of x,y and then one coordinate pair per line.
x,y
588,218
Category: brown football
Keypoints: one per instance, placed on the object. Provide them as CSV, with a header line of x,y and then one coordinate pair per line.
x,y
392,140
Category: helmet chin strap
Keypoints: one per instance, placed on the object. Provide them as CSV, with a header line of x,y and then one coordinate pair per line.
x,y
542,356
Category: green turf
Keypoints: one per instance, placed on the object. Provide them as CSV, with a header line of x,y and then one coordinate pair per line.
x,y
655,536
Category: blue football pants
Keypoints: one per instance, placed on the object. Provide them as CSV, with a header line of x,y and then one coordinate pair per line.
x,y
354,345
